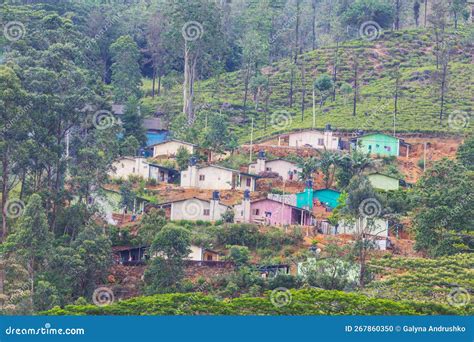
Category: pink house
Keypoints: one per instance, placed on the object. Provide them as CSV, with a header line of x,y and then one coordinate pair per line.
x,y
270,212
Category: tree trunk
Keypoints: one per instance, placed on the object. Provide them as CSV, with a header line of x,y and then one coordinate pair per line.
x,y
5,175
292,75
153,83
188,87
313,25
443,87
297,30
334,75
356,71
303,91
426,10
246,85
159,85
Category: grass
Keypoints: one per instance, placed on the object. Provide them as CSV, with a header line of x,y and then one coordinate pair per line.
x,y
418,105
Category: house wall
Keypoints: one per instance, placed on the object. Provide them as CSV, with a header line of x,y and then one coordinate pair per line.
x,y
305,199
214,178
378,228
196,253
327,196
243,183
315,139
283,168
277,214
383,182
170,148
382,144
195,209
127,166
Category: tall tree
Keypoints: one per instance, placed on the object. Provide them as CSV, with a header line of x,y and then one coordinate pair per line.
x,y
444,221
126,75
31,241
133,121
13,132
196,32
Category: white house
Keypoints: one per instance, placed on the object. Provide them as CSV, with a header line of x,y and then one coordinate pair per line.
x,y
287,170
202,254
217,178
127,166
195,208
316,139
163,174
375,229
170,147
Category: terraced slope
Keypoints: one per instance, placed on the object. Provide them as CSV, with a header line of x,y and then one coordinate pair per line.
x,y
418,103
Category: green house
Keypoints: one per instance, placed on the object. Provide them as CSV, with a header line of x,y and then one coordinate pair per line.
x,y
328,197
378,143
383,182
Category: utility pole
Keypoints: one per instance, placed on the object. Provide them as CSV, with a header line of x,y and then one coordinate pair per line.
x,y
251,142
424,157
314,108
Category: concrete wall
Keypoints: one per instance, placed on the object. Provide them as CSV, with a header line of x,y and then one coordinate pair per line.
x,y
316,139
246,183
170,148
130,166
378,227
383,182
195,209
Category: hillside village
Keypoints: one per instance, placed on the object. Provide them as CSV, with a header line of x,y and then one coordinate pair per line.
x,y
255,165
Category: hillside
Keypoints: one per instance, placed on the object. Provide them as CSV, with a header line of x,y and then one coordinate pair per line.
x,y
418,104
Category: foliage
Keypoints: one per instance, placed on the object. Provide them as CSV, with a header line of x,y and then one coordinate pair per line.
x,y
166,269
240,255
465,153
150,225
422,279
126,77
182,158
444,222
369,10
304,302
133,122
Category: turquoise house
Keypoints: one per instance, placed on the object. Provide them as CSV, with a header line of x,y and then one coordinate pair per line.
x,y
305,199
328,197
378,143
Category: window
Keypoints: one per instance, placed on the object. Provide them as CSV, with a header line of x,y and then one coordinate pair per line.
x,y
248,182
320,141
202,177
256,212
269,169
206,212
133,170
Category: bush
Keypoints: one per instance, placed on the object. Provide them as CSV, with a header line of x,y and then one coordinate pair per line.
x,y
304,302
285,280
